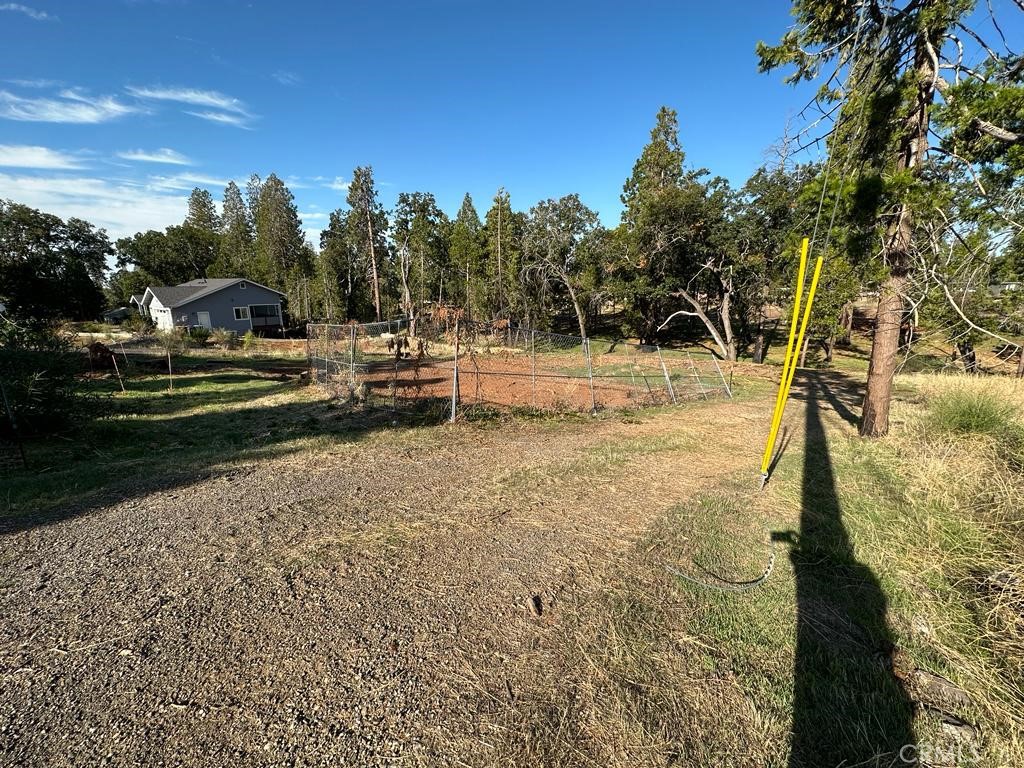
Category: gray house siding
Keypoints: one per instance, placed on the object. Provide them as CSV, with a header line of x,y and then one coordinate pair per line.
x,y
221,306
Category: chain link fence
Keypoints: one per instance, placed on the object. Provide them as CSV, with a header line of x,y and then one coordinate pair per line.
x,y
465,365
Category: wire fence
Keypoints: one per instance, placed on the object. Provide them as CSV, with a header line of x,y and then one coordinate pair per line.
x,y
465,365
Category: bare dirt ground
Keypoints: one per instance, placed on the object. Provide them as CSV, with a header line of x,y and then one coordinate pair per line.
x,y
364,604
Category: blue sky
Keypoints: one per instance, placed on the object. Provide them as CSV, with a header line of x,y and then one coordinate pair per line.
x,y
113,110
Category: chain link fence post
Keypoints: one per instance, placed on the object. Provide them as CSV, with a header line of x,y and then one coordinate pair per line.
x,y
728,389
533,367
590,376
668,380
700,384
455,372
352,358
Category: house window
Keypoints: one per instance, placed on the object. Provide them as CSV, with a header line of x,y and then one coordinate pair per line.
x,y
241,285
264,310
241,313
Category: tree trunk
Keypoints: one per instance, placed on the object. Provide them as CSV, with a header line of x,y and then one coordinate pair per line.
x,y
726,344
373,266
896,250
1020,365
846,323
759,350
803,353
580,317
882,367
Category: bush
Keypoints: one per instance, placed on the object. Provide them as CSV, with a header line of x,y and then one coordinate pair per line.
x,y
173,341
224,338
39,370
249,341
972,410
136,323
199,334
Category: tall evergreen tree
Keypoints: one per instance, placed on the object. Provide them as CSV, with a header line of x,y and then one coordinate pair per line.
x,y
502,237
418,233
202,213
672,247
466,250
367,228
885,130
237,244
280,259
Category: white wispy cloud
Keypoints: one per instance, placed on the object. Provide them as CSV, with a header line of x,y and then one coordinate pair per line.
x,y
33,82
25,156
32,13
219,107
71,106
223,118
185,181
162,155
121,207
313,216
284,77
338,184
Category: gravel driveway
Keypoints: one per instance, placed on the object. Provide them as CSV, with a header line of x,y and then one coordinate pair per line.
x,y
359,605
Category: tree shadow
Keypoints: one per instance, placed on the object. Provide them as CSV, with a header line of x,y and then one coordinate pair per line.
x,y
849,708
118,459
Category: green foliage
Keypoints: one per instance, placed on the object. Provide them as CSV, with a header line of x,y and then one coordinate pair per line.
x,y
503,232
466,249
136,323
202,214
237,242
562,247
972,410
50,268
39,371
173,341
180,254
673,224
366,228
224,338
125,283
250,341
418,232
199,335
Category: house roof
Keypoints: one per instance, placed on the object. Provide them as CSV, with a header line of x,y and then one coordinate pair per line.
x,y
136,298
172,296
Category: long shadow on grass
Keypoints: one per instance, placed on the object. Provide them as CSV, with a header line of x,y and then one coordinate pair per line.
x,y
848,708
123,459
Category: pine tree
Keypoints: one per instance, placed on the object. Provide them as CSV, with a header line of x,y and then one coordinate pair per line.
x,y
367,227
503,234
886,129
202,214
279,239
418,233
237,245
466,249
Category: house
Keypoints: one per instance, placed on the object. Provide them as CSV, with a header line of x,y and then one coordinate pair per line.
x,y
998,289
117,315
233,303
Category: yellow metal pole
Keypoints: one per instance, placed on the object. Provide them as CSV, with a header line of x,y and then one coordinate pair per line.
x,y
803,329
786,363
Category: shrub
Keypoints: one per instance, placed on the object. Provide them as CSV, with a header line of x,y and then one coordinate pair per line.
x,y
224,338
39,370
249,341
136,323
199,334
173,341
972,410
